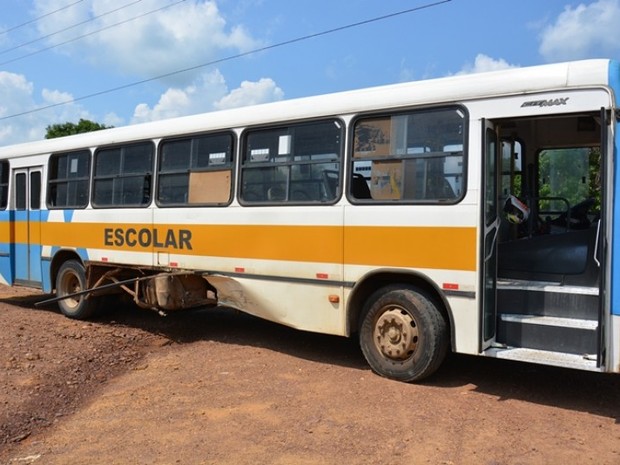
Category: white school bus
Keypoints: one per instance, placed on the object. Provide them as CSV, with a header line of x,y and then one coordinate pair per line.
x,y
477,214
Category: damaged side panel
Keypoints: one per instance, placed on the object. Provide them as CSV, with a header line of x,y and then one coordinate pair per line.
x,y
174,292
317,307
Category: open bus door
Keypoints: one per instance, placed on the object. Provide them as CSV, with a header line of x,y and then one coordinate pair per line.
x,y
601,243
489,230
543,278
27,225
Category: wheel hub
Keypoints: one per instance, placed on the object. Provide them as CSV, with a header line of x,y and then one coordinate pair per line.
x,y
396,334
71,285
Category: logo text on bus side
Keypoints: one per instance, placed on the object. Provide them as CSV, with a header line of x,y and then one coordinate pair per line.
x,y
146,237
545,103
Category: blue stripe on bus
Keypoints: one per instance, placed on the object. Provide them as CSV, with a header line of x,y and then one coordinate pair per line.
x,y
20,215
46,284
23,261
25,215
35,263
614,83
6,251
20,252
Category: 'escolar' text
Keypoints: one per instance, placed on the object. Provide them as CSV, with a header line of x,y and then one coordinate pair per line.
x,y
145,237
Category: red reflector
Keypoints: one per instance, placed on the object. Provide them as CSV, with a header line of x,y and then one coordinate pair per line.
x,y
322,276
175,264
451,286
104,259
239,269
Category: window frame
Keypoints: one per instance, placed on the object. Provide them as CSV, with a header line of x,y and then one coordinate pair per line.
x,y
512,172
67,180
231,166
147,175
391,113
20,191
5,173
559,197
287,126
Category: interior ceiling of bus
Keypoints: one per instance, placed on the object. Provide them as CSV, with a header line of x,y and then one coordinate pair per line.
x,y
553,132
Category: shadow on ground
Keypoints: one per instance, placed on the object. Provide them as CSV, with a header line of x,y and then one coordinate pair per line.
x,y
594,393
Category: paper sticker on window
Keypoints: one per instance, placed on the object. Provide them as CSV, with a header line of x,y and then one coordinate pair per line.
x,y
217,158
259,154
284,145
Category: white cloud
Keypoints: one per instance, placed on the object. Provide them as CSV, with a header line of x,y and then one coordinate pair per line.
x,y
195,98
207,93
17,95
53,97
112,119
484,63
182,36
15,91
186,34
585,31
405,73
251,93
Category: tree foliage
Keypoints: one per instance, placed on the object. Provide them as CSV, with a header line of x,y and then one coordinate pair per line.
x,y
68,128
571,174
595,178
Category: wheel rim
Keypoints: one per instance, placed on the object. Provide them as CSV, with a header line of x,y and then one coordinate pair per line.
x,y
396,333
70,284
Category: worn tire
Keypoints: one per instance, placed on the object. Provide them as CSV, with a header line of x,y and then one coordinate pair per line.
x,y
71,278
403,335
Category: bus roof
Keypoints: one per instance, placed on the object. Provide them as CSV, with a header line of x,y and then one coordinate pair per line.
x,y
458,88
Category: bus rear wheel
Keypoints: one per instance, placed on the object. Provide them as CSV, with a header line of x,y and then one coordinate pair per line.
x,y
71,279
403,335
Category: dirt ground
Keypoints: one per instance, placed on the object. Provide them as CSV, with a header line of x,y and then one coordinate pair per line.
x,y
214,386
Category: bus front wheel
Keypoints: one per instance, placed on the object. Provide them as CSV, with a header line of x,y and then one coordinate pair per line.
x,y
403,335
71,279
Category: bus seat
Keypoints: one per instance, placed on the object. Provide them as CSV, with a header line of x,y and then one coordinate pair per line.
x,y
330,183
276,193
359,187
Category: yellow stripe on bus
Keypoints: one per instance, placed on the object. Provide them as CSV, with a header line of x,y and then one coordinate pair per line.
x,y
291,243
416,247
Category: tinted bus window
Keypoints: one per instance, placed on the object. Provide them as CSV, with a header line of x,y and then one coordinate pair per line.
x,y
68,180
409,157
4,184
292,164
123,176
196,171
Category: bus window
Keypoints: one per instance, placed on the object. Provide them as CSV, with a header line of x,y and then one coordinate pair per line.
x,y
292,164
512,158
568,178
123,175
4,184
415,156
35,190
69,180
20,191
196,171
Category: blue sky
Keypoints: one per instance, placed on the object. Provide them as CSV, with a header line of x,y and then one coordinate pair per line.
x,y
53,51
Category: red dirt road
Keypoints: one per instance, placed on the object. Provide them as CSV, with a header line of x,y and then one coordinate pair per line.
x,y
220,387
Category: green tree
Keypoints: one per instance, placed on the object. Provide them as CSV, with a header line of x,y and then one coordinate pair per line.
x,y
68,129
571,174
595,178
